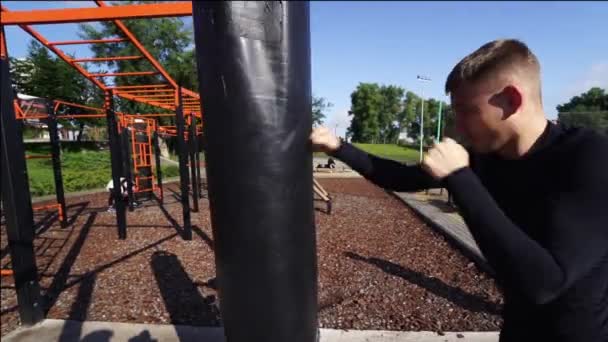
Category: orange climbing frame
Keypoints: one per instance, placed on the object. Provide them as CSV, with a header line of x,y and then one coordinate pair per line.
x,y
103,12
55,206
141,151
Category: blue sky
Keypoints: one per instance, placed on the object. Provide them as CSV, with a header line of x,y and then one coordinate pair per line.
x,y
392,42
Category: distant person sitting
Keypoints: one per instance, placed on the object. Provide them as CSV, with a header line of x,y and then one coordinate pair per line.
x,y
331,164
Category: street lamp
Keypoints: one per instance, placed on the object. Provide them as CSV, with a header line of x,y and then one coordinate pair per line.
x,y
422,79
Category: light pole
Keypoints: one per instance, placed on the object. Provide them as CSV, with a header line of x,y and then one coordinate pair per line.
x,y
439,122
422,79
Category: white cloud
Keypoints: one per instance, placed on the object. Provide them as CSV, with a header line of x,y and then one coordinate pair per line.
x,y
596,76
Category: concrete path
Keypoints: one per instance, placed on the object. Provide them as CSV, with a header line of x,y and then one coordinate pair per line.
x,y
52,330
433,208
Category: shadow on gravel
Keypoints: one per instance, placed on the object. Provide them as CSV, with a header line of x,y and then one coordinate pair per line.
x,y
455,295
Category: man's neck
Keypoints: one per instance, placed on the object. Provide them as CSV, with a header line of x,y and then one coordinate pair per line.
x,y
523,142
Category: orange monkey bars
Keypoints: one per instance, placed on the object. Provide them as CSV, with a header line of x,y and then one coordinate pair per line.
x,y
104,12
79,15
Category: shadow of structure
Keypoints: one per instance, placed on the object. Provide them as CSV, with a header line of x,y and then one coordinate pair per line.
x,y
208,240
455,295
61,276
185,304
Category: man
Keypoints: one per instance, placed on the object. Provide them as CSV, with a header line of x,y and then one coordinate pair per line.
x,y
534,194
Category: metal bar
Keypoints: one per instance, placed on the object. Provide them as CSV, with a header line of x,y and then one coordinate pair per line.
x,y
81,116
198,169
105,59
18,112
79,15
192,148
126,149
89,41
3,49
32,117
155,115
44,156
183,170
116,161
55,50
148,86
134,73
155,96
152,103
140,46
159,175
56,157
17,204
59,102
136,92
191,93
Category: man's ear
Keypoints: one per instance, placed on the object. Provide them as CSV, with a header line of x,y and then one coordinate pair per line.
x,y
509,100
515,98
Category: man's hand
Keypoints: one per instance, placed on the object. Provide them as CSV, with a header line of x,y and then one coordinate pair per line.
x,y
323,140
444,158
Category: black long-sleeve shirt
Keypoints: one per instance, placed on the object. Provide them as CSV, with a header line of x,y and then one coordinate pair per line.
x,y
541,221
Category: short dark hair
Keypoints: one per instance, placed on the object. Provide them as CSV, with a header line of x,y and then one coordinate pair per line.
x,y
495,56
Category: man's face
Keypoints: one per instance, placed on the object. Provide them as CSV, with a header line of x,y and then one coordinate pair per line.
x,y
480,117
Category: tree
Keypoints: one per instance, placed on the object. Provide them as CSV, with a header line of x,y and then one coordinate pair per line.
x,y
21,73
589,109
319,107
44,75
389,113
167,40
595,99
410,117
366,104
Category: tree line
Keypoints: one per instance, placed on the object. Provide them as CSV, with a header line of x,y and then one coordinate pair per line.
x,y
388,113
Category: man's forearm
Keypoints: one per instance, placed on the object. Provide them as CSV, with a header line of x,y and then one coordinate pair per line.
x,y
386,173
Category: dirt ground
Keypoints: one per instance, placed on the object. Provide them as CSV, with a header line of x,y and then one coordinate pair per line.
x,y
380,267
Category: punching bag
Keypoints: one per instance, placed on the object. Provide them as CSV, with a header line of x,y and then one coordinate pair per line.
x,y
253,63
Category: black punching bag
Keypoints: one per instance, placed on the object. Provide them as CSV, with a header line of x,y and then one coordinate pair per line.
x,y
254,74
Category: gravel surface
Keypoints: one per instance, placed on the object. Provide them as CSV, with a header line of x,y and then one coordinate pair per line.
x,y
380,267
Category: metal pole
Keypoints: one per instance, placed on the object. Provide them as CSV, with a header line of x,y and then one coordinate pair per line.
x,y
439,121
421,124
192,148
56,160
126,148
183,169
423,79
17,204
254,68
159,174
116,161
198,167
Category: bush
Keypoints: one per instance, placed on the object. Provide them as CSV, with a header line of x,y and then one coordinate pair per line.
x,y
82,170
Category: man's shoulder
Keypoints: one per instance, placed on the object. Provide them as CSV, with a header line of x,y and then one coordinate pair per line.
x,y
585,155
586,144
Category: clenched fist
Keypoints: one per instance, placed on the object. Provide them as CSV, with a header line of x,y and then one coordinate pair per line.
x,y
323,140
444,158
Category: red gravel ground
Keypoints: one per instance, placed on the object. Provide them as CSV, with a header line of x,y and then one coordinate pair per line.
x,y
380,267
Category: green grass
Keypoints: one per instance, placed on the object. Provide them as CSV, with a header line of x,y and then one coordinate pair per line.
x,y
391,151
81,170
